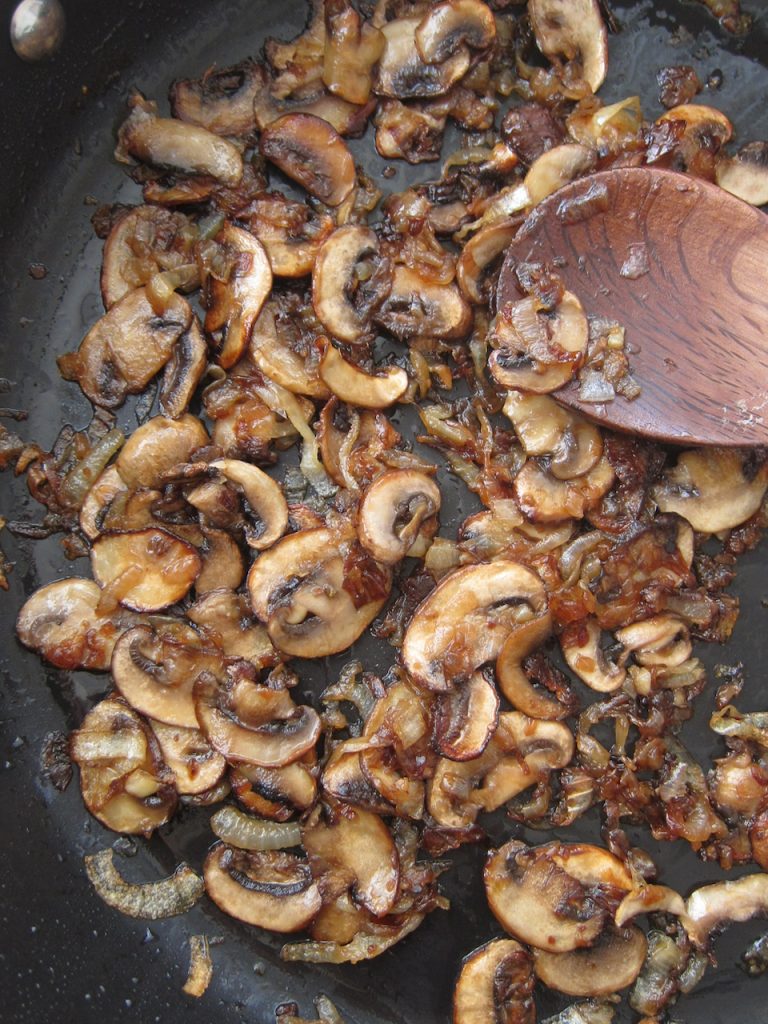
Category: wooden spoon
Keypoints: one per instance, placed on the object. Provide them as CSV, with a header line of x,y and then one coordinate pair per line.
x,y
683,266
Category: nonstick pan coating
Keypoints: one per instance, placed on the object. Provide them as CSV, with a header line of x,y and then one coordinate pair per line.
x,y
64,956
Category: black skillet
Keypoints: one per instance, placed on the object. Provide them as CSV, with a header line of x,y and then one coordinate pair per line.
x,y
64,956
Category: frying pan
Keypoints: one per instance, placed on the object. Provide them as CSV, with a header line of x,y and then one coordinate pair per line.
x,y
64,956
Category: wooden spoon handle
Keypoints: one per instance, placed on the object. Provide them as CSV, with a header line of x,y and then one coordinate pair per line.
x,y
684,267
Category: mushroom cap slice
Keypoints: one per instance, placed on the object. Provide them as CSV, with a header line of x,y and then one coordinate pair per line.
x,y
263,495
195,765
344,779
183,371
611,964
711,907
222,100
356,845
746,174
271,350
337,281
272,889
465,718
102,493
275,792
417,306
529,889
714,488
402,74
291,233
236,303
545,428
146,570
393,511
157,446
355,386
226,619
311,152
545,499
512,680
449,25
572,29
479,253
581,648
649,899
493,979
464,623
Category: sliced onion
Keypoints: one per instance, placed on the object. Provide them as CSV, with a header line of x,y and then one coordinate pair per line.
x,y
200,966
83,476
247,833
367,944
151,901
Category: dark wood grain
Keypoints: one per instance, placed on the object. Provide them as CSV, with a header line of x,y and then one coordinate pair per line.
x,y
696,322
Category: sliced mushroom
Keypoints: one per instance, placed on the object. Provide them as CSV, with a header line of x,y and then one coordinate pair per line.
x,y
275,793
746,174
147,240
649,899
463,624
271,889
291,233
63,622
124,350
177,146
344,780
351,384
263,496
157,446
544,498
402,74
417,307
581,648
554,897
451,25
311,152
352,48
466,718
236,303
479,253
699,132
712,907
156,670
223,566
196,767
98,499
345,283
145,570
225,618
611,964
356,846
511,678
274,350
394,510
495,984
662,641
222,100
556,167
124,782
573,29
304,589
183,371
253,724
713,488
401,794
543,427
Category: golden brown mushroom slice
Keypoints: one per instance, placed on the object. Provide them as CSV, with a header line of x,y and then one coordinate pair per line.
x,y
746,174
157,446
574,30
582,650
574,445
100,496
348,382
417,306
512,679
546,499
396,508
280,352
352,48
223,565
63,623
311,152
263,496
466,718
556,896
183,371
222,100
611,964
195,765
451,25
292,233
226,619
356,846
275,793
495,984
156,670
270,889
123,780
236,303
345,780
124,350
145,570
316,592
346,283
464,623
478,256
711,907
253,724
402,73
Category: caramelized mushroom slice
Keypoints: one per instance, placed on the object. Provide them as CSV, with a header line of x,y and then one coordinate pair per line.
x,y
581,648
311,152
402,74
225,617
700,133
394,511
98,499
274,349
345,780
495,984
304,588
291,233
176,146
236,303
183,371
451,25
573,444
64,624
222,100
612,964
223,566
418,307
478,255
157,446
145,570
249,723
712,907
124,782
341,293
713,488
196,767
545,499
270,889
275,793
124,350
649,899
263,496
402,794
573,29
356,846
511,678
351,384
466,718
746,174
156,670
555,896
463,624
352,48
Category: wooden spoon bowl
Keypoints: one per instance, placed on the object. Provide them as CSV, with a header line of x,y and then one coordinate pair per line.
x,y
683,266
